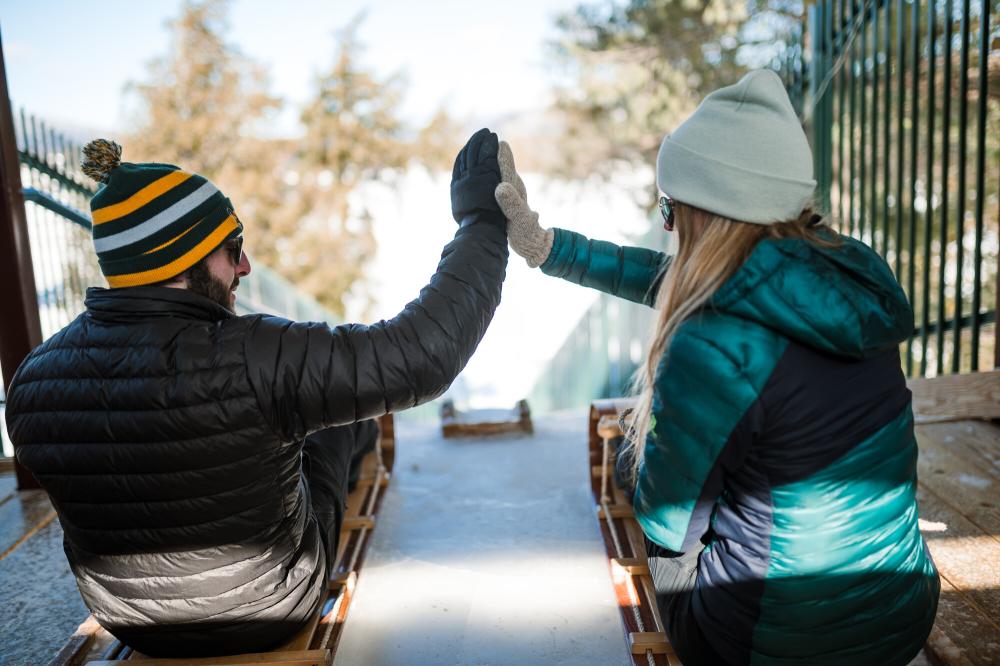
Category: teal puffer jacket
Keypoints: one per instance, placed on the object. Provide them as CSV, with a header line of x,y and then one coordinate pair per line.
x,y
783,448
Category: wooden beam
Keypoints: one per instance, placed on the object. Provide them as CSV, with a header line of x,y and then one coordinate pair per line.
x,y
615,511
633,566
294,658
358,523
608,427
346,579
383,481
653,641
77,644
956,397
21,331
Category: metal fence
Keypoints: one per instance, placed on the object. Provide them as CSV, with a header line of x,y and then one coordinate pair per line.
x,y
905,120
56,194
901,99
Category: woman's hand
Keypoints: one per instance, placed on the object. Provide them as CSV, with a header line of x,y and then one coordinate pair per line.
x,y
526,236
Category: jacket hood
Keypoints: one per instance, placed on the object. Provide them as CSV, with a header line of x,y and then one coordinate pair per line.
x,y
844,300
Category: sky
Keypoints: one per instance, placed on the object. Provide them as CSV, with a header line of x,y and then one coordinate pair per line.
x,y
69,63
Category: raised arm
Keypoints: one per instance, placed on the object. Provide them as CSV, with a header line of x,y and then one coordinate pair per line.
x,y
309,376
633,273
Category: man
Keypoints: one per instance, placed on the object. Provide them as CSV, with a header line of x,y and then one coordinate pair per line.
x,y
173,437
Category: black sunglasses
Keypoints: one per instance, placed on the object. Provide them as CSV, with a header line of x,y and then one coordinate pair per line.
x,y
234,247
667,210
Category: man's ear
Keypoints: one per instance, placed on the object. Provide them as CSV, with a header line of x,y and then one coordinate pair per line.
x,y
178,282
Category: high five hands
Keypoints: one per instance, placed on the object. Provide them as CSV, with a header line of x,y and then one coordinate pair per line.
x,y
485,186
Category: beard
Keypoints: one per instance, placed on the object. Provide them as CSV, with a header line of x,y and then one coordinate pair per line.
x,y
201,281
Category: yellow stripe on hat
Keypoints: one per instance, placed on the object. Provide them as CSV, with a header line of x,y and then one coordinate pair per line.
x,y
175,238
157,188
179,265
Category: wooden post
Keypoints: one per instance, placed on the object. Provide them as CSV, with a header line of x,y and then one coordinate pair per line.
x,y
21,330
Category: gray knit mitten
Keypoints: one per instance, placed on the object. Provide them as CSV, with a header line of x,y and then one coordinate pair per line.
x,y
526,237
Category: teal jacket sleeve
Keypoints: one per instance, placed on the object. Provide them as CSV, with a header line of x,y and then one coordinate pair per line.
x,y
707,413
632,273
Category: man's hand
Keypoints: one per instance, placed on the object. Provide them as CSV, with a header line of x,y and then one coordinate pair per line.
x,y
474,179
523,231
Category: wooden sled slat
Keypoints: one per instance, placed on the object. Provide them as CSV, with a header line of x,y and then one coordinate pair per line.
x,y
653,641
628,567
485,422
78,643
275,658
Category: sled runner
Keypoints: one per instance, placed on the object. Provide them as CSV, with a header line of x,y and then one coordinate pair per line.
x,y
623,541
481,422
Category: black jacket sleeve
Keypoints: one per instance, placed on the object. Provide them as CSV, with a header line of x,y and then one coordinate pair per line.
x,y
309,376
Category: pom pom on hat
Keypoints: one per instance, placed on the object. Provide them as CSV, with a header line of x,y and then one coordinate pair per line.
x,y
100,158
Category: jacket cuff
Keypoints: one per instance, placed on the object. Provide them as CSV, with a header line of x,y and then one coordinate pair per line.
x,y
561,252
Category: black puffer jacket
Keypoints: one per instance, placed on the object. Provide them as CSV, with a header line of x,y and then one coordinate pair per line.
x,y
168,433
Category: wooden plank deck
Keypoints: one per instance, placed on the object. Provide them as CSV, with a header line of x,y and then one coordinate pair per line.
x,y
959,495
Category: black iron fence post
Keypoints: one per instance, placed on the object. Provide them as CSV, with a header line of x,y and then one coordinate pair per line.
x,y
977,263
904,152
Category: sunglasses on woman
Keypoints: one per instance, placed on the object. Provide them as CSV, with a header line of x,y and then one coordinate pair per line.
x,y
667,210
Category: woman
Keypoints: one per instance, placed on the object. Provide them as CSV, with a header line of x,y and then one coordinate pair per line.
x,y
773,446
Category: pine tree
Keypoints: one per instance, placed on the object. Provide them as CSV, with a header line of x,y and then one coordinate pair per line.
x,y
201,101
636,69
353,135
201,105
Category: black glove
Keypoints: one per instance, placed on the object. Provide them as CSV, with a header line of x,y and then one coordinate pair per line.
x,y
474,180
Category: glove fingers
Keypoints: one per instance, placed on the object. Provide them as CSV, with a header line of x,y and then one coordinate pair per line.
x,y
474,147
519,184
510,201
459,168
506,159
508,172
488,146
466,158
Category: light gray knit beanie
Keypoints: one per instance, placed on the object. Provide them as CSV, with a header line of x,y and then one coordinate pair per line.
x,y
742,154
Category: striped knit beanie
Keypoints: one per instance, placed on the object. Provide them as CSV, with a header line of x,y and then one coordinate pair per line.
x,y
152,221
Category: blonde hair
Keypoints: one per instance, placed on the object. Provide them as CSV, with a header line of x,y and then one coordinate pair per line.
x,y
712,248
